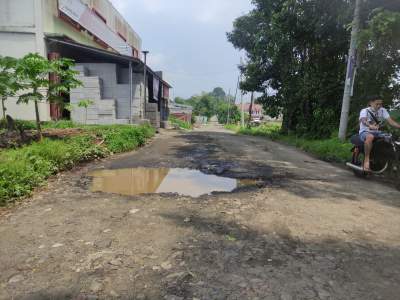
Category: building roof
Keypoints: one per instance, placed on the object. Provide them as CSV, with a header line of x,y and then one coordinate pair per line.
x,y
93,54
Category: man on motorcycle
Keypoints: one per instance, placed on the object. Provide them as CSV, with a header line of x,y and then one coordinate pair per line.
x,y
371,119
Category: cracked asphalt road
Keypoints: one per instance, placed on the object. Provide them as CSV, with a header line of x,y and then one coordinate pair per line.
x,y
307,230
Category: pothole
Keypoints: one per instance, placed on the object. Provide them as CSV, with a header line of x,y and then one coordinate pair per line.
x,y
185,182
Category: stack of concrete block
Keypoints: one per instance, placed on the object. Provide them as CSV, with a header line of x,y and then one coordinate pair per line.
x,y
122,93
115,85
102,111
153,114
138,91
106,111
108,86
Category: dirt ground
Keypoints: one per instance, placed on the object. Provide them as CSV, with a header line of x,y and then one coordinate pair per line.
x,y
307,230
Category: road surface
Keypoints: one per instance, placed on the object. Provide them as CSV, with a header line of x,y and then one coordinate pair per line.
x,y
300,229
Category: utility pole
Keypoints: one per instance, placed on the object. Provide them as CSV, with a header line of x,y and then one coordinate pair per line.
x,y
234,99
145,82
241,108
350,74
251,107
241,97
130,93
229,105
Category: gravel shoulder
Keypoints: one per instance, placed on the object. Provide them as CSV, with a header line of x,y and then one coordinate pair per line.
x,y
307,230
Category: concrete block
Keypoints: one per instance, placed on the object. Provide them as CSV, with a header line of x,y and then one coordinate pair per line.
x,y
121,121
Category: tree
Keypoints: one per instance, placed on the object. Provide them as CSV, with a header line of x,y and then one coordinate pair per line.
x,y
179,100
205,106
33,71
222,113
218,93
9,84
298,49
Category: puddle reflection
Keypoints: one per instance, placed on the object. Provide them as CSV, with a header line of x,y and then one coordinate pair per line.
x,y
163,180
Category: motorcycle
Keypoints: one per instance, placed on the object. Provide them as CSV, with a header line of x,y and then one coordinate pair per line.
x,y
384,157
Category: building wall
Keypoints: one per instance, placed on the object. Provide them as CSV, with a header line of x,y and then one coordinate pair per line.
x,y
54,24
17,13
23,24
26,111
21,27
116,21
20,34
17,44
41,16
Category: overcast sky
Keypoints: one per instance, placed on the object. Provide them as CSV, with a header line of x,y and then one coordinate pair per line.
x,y
187,40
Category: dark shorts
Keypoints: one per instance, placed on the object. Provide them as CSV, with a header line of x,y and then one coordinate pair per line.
x,y
376,134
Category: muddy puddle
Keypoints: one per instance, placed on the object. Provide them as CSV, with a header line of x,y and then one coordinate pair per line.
x,y
184,182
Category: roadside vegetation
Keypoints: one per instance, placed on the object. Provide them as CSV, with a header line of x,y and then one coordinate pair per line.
x,y
23,169
328,149
296,59
178,123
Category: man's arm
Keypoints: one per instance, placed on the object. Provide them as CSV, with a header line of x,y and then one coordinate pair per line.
x,y
364,120
393,123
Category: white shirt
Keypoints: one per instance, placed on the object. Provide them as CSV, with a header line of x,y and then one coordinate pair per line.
x,y
381,115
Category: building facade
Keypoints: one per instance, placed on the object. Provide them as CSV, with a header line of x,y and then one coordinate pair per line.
x,y
106,50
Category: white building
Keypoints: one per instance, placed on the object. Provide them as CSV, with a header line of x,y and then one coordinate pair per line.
x,y
96,36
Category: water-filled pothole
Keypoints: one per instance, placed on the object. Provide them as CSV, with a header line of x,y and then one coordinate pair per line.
x,y
184,182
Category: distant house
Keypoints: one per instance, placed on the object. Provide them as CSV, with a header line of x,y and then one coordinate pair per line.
x,y
256,111
180,111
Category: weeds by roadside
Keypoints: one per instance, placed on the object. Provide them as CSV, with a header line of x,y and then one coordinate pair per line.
x,y
332,149
23,169
179,123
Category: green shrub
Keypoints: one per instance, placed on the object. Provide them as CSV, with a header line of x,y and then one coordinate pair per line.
x,y
331,149
61,124
31,125
121,138
179,123
232,127
25,125
23,169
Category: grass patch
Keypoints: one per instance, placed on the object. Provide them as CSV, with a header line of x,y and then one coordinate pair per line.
x,y
23,169
61,124
332,150
179,123
122,138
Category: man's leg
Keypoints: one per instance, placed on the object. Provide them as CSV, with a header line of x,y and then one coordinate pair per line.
x,y
367,150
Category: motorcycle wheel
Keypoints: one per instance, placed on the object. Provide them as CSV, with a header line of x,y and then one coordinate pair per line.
x,y
380,159
379,162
